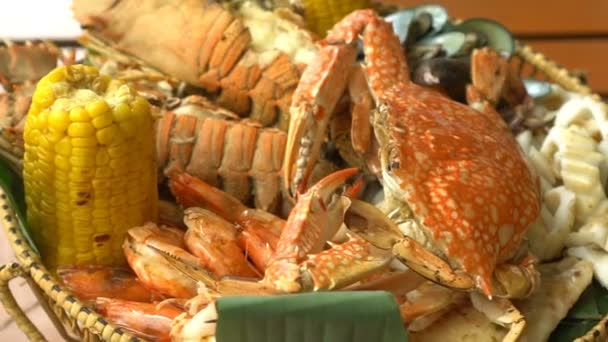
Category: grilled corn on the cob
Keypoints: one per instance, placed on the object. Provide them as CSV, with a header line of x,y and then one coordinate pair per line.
x,y
89,166
322,15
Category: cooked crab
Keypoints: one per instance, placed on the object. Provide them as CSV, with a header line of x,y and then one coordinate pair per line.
x,y
454,176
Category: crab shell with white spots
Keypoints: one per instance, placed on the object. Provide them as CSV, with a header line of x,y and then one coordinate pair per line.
x,y
458,169
462,176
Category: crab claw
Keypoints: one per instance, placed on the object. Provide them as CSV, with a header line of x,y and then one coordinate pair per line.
x,y
316,217
314,100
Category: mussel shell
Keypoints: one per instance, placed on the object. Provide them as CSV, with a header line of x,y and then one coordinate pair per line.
x,y
420,26
439,14
401,22
537,89
448,75
451,42
497,36
419,52
403,19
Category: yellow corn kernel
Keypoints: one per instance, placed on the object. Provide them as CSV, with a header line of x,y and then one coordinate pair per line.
x,y
129,127
119,138
64,147
41,120
85,139
103,120
97,108
59,120
121,112
46,156
103,172
81,129
84,142
81,174
100,84
83,161
43,96
118,151
62,163
99,213
78,114
55,136
323,15
42,177
102,157
55,76
62,175
102,224
62,198
106,135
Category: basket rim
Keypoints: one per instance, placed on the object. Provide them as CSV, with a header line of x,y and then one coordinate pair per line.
x,y
88,319
47,284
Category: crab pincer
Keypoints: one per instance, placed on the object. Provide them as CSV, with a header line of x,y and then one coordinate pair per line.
x,y
316,217
456,174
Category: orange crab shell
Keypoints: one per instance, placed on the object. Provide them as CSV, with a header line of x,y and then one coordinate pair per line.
x,y
464,177
460,169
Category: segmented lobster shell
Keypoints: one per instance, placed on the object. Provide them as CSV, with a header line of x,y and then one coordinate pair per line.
x,y
240,157
203,44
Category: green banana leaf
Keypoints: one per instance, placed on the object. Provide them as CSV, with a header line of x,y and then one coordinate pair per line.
x,y
311,317
13,186
335,316
590,308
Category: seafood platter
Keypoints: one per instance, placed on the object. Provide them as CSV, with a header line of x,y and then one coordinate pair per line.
x,y
301,171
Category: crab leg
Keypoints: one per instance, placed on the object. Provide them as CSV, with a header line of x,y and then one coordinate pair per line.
x,y
501,311
314,100
323,83
361,129
517,281
511,281
344,264
428,303
493,80
316,217
430,266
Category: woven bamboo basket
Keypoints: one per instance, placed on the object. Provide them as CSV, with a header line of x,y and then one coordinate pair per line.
x,y
77,322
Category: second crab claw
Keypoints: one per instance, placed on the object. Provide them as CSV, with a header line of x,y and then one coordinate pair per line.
x,y
316,217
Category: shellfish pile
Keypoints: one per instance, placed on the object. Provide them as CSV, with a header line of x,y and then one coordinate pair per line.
x,y
400,152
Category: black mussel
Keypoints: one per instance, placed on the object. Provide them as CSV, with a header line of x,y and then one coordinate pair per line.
x,y
401,22
472,40
452,43
437,12
448,75
421,25
494,34
427,18
420,52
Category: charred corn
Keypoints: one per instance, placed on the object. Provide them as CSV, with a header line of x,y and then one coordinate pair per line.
x,y
89,166
322,15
